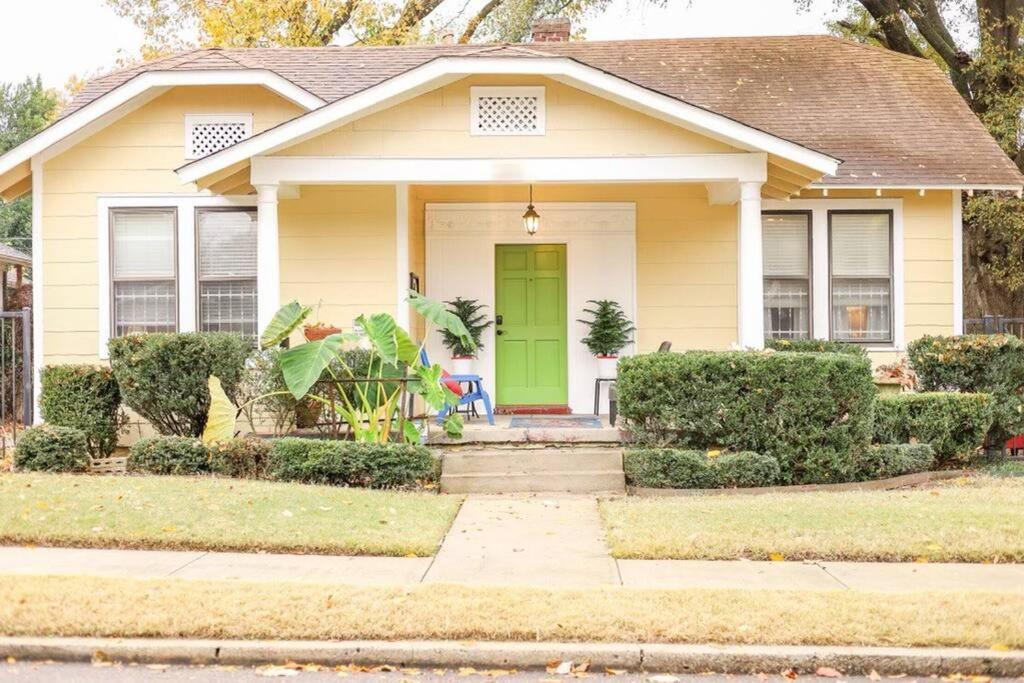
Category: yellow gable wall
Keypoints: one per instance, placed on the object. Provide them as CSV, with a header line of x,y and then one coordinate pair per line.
x,y
436,124
137,154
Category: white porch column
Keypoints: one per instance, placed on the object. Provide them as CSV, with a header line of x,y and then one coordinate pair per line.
x,y
268,261
750,277
402,254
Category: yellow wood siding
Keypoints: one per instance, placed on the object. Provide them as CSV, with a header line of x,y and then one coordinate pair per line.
x,y
137,154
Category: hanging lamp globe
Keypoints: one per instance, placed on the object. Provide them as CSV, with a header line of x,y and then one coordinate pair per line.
x,y
531,219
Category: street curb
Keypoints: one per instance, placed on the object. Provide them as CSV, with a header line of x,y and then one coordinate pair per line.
x,y
665,658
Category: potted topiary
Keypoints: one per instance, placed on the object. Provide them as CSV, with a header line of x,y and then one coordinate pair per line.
x,y
610,331
468,311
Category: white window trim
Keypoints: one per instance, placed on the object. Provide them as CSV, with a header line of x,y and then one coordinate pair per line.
x,y
821,273
192,120
476,92
186,205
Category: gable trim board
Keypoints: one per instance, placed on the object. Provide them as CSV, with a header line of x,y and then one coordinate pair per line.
x,y
141,89
443,70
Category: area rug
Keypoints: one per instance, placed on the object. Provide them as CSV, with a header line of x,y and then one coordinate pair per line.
x,y
561,422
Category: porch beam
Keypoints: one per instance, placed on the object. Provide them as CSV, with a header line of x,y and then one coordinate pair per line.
x,y
699,168
268,261
750,318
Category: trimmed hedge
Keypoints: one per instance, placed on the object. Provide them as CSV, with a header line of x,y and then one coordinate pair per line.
x,y
52,448
169,455
349,463
892,460
812,412
976,364
85,397
245,457
954,425
815,346
163,377
745,469
668,468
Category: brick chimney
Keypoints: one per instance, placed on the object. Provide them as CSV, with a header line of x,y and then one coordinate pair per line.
x,y
550,31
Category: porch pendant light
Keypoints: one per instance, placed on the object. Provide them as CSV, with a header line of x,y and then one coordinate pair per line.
x,y
531,219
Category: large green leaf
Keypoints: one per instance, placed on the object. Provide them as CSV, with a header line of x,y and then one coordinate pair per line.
x,y
438,315
392,344
220,418
284,322
303,365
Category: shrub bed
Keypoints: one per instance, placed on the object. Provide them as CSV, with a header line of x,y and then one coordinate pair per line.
x,y
169,455
347,463
976,364
87,398
52,448
745,469
891,460
953,424
815,346
244,458
811,412
668,468
163,377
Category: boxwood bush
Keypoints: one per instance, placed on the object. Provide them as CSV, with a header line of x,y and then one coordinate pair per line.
x,y
954,425
85,397
976,364
668,468
815,346
348,463
812,412
169,455
246,457
163,377
52,448
891,460
745,469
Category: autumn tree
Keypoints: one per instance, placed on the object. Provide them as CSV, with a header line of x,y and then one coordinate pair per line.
x,y
978,43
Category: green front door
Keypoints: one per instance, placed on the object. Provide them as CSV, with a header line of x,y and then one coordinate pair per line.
x,y
531,338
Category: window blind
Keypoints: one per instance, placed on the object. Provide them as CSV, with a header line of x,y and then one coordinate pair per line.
x,y
784,239
227,244
143,245
860,245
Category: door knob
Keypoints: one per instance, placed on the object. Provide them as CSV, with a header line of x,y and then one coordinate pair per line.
x,y
499,332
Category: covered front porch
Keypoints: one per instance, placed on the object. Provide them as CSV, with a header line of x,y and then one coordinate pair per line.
x,y
682,256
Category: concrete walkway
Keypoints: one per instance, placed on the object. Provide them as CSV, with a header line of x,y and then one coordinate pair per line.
x,y
545,541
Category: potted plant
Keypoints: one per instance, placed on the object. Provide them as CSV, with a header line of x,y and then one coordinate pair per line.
x,y
468,311
610,331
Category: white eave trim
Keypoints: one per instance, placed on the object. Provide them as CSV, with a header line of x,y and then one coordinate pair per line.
x,y
444,70
151,84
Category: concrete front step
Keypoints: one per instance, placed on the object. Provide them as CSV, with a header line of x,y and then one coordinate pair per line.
x,y
532,470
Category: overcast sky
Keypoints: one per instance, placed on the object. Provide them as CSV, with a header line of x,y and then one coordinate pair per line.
x,y
60,38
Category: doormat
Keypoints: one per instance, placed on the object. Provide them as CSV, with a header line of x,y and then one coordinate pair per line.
x,y
565,422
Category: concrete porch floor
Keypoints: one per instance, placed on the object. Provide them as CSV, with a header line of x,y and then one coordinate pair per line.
x,y
477,431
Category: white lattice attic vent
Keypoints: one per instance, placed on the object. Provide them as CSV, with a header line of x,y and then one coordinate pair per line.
x,y
511,110
209,133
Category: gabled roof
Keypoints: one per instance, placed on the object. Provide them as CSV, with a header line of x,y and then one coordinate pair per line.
x,y
894,120
11,256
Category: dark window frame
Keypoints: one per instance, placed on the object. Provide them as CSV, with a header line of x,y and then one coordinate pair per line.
x,y
111,213
892,277
809,213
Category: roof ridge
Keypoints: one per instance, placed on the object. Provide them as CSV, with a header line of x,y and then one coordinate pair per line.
x,y
877,49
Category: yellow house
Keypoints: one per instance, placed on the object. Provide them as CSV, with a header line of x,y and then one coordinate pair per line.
x,y
722,191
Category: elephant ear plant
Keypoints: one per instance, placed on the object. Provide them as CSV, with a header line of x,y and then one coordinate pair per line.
x,y
369,401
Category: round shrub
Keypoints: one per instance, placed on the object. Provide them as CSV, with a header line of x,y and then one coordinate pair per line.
x,y
812,412
348,463
85,397
746,469
244,458
668,468
892,460
163,377
955,425
52,448
169,455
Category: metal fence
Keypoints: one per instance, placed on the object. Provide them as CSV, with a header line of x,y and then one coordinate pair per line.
x,y
994,324
15,375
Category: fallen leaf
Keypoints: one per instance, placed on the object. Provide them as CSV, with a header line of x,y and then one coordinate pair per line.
x,y
874,676
1001,647
563,669
581,668
614,672
776,557
790,674
827,672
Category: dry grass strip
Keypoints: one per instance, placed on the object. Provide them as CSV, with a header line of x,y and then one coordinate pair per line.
x,y
209,513
79,606
971,519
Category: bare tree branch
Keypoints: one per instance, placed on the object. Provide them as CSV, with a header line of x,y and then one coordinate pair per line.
x,y
478,19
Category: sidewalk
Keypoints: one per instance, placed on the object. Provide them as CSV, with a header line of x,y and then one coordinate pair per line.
x,y
546,541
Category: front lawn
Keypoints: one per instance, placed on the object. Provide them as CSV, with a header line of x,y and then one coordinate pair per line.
x,y
206,513
88,606
976,519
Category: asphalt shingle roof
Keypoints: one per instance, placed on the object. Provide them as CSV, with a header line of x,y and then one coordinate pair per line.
x,y
893,119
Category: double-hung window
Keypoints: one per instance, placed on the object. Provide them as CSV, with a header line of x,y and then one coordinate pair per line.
x,y
786,240
144,287
860,266
226,269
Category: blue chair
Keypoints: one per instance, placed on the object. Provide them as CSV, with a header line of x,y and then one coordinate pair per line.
x,y
476,392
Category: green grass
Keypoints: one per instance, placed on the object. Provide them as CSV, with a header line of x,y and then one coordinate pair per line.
x,y
976,519
207,513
